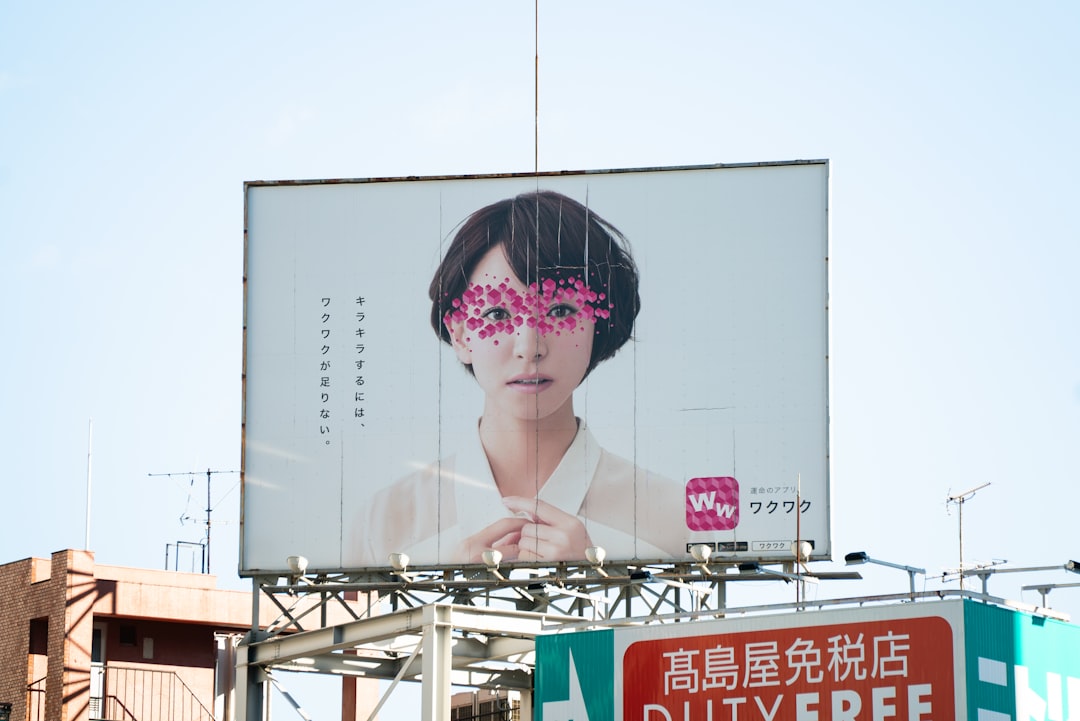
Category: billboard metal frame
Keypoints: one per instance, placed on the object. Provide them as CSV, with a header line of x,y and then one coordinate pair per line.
x,y
599,593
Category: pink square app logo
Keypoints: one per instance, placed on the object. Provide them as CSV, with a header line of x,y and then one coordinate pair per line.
x,y
712,504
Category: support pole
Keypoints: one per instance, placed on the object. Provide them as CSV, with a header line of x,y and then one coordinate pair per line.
x,y
252,703
251,693
436,662
526,706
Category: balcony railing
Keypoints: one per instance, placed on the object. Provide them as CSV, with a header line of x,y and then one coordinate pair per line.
x,y
143,694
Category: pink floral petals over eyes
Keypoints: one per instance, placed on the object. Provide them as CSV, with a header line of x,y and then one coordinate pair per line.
x,y
550,307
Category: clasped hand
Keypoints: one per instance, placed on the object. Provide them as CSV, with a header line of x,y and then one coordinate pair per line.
x,y
537,532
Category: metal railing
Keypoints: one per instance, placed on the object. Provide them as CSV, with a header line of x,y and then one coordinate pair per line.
x,y
143,694
35,700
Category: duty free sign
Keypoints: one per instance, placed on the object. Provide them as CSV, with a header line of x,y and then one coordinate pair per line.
x,y
939,661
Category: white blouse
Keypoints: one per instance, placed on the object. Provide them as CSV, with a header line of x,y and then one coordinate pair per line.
x,y
428,513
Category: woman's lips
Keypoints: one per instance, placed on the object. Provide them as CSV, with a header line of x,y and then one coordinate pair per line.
x,y
530,383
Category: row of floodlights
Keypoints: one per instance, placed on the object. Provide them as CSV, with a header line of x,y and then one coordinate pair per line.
x,y
595,555
701,553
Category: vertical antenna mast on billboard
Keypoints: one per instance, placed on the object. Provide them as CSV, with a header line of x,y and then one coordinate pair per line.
x,y
209,507
798,538
536,87
959,499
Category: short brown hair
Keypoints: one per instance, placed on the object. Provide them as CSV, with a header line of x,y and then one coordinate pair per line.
x,y
545,235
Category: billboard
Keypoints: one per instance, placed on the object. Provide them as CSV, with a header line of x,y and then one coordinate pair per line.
x,y
956,660
537,364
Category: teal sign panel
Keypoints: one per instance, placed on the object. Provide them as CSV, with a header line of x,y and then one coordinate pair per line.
x,y
1020,667
575,676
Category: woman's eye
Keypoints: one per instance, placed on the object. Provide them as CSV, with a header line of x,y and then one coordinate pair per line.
x,y
562,310
496,314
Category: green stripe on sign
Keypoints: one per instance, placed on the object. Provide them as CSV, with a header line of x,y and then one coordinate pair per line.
x,y
575,676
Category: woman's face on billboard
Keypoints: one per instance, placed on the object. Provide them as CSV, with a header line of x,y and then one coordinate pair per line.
x,y
529,346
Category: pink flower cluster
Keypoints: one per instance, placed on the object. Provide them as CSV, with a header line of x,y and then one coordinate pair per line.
x,y
550,306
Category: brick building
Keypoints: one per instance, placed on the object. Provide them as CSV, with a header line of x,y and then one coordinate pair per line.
x,y
81,641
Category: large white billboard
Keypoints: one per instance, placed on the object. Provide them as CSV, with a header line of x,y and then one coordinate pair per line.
x,y
537,364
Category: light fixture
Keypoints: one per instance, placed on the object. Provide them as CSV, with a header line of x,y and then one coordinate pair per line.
x,y
858,557
700,594
595,555
801,550
1044,589
492,558
985,572
399,561
701,552
297,564
645,576
544,591
755,568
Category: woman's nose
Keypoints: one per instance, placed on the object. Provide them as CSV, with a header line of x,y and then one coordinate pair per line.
x,y
529,343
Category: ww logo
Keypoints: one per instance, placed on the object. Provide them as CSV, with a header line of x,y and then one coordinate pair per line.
x,y
712,504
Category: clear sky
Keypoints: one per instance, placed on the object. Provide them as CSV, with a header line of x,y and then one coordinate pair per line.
x,y
127,130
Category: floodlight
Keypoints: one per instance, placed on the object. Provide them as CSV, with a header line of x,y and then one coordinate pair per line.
x,y
595,555
984,573
399,561
858,557
755,568
701,552
297,564
545,591
801,550
492,558
1044,589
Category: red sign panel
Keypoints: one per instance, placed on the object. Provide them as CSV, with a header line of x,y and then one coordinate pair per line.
x,y
870,671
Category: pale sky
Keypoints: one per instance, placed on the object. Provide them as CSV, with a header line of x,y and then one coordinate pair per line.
x,y
128,129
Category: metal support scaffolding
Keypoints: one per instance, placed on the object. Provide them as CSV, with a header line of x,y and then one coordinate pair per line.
x,y
471,646
450,626
590,591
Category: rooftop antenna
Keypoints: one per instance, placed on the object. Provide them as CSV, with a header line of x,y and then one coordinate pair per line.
x,y
960,499
209,507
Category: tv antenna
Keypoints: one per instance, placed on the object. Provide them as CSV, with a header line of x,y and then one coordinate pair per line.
x,y
960,499
209,507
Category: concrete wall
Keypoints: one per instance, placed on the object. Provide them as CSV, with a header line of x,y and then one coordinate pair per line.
x,y
160,620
